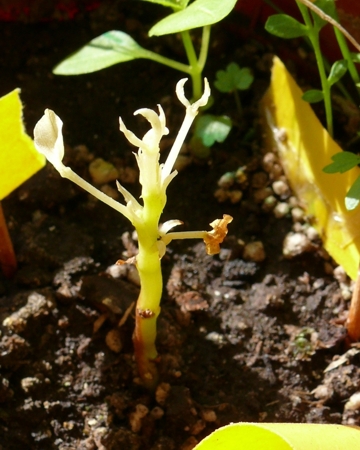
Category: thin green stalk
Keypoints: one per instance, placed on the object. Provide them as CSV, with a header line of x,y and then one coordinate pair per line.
x,y
167,62
205,41
347,56
313,35
195,70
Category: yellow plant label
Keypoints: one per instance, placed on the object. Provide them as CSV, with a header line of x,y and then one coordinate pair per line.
x,y
19,159
305,148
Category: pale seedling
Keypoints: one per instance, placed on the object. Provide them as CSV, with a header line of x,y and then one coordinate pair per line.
x,y
152,239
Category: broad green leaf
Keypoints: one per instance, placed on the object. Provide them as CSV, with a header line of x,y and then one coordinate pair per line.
x,y
313,96
19,159
233,78
110,48
342,162
338,69
174,4
285,26
198,14
352,198
211,129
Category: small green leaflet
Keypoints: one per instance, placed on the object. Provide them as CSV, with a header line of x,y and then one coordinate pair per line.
x,y
285,26
338,69
199,13
313,96
342,162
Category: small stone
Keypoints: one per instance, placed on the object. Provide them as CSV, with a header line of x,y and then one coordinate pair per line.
x,y
268,161
162,393
295,244
113,340
260,195
254,251
353,403
281,188
136,417
269,203
209,415
221,195
298,214
235,196
226,180
312,233
157,413
340,274
281,210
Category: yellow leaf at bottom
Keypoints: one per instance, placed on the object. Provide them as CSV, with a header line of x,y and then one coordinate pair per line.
x,y
305,148
19,159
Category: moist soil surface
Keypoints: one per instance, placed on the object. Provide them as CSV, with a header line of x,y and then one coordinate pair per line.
x,y
246,335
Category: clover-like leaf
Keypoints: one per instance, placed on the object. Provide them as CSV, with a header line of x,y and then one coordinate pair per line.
x,y
342,162
211,129
233,78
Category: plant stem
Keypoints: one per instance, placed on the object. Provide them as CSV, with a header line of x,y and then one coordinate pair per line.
x,y
347,56
148,264
8,262
313,34
353,321
195,69
167,61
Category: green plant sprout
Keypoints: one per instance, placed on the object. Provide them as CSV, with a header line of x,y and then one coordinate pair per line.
x,y
315,16
115,46
152,238
232,80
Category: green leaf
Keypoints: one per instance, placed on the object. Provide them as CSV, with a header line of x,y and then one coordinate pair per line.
x,y
313,96
342,162
105,50
285,26
338,69
174,4
352,198
198,14
233,78
328,7
211,129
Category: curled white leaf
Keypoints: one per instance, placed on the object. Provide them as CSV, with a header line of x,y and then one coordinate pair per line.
x,y
48,138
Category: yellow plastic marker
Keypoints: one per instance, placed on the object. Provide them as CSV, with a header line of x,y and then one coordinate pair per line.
x,y
19,159
305,148
282,436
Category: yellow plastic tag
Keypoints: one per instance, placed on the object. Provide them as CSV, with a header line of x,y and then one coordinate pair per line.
x,y
305,148
282,436
19,159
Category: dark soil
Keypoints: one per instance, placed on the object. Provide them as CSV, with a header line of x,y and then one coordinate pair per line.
x,y
240,338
